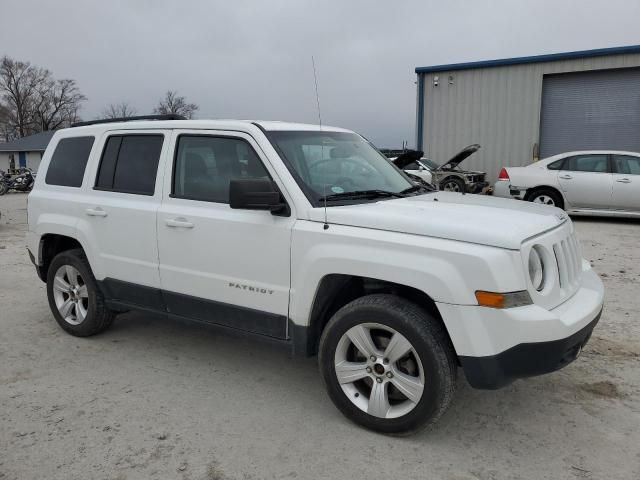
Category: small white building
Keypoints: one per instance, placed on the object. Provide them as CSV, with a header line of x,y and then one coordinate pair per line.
x,y
24,152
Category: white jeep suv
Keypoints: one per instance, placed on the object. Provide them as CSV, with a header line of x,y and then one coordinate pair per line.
x,y
309,237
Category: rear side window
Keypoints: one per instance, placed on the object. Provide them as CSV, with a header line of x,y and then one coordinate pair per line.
x,y
129,164
596,163
69,161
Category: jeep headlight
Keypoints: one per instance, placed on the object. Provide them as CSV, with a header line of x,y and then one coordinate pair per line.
x,y
536,269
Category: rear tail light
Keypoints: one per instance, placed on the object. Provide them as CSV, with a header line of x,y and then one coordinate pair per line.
x,y
503,174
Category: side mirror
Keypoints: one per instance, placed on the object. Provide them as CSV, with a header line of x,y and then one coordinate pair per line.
x,y
257,194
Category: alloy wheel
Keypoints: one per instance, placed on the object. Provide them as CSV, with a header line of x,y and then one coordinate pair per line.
x,y
451,187
545,199
379,370
70,295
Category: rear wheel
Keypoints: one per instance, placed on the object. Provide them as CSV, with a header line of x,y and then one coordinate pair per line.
x,y
74,297
546,196
3,188
452,184
387,364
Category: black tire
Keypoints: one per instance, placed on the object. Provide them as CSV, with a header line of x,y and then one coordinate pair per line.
x,y
3,188
451,183
427,337
98,317
549,193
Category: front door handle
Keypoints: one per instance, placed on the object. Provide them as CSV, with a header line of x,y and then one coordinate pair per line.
x,y
566,177
623,180
178,223
96,212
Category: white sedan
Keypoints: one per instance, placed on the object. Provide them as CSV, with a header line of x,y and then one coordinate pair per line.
x,y
593,182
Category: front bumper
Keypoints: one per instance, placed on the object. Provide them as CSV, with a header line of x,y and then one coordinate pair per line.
x,y
476,187
525,360
495,346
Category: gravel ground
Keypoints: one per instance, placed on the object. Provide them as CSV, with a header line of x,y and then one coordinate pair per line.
x,y
153,398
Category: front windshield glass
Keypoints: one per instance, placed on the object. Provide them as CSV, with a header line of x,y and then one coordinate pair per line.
x,y
330,163
430,164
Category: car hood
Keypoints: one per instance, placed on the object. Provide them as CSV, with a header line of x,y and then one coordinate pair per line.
x,y
479,219
460,156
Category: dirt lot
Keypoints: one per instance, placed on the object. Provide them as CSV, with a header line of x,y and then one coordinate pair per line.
x,y
153,398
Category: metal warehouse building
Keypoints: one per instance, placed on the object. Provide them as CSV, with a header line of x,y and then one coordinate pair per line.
x,y
523,109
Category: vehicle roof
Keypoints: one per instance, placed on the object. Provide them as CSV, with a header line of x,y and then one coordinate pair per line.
x,y
587,152
242,125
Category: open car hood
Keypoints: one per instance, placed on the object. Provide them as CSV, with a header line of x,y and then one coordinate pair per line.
x,y
460,156
407,157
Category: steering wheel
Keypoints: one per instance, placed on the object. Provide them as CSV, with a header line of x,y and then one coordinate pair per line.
x,y
346,182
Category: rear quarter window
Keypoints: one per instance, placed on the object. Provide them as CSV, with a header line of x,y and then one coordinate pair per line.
x,y
557,165
69,161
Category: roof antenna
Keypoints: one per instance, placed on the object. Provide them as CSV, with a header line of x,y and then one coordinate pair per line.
x,y
324,186
315,78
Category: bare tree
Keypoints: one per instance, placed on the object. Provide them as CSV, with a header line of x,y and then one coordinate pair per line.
x,y
5,130
172,103
58,104
19,84
119,110
33,100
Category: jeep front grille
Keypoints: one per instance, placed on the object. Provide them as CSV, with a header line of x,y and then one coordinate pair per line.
x,y
567,253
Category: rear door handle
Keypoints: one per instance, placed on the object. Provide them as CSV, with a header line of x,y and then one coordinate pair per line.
x,y
178,223
96,212
566,177
623,180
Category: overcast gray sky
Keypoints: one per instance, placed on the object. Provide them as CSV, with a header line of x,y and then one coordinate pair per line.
x,y
252,59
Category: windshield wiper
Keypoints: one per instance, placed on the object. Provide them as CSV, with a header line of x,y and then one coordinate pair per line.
x,y
361,194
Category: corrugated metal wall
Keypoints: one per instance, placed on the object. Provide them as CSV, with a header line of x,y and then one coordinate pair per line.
x,y
594,110
497,107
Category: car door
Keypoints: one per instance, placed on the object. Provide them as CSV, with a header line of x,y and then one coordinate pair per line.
x,y
118,215
217,264
626,183
586,181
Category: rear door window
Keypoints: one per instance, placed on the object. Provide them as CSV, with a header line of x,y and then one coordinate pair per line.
x,y
597,163
129,163
69,161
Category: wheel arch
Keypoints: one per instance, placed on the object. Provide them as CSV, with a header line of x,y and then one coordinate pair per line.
x,y
50,245
336,290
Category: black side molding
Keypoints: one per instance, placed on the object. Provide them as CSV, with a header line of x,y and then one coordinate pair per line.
x,y
123,296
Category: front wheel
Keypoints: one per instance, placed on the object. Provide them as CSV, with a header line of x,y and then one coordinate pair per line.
x,y
452,184
387,364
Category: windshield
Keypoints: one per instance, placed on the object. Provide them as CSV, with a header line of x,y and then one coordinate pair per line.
x,y
336,163
430,164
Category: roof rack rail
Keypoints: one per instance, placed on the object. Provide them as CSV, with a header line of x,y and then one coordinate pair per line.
x,y
169,116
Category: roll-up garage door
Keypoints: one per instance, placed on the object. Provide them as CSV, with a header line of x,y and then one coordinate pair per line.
x,y
590,111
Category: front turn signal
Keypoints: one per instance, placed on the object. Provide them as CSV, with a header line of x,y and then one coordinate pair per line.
x,y
503,300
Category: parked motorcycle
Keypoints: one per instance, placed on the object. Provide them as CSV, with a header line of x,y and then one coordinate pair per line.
x,y
23,182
